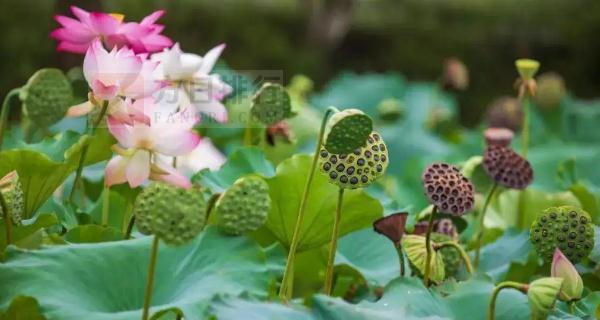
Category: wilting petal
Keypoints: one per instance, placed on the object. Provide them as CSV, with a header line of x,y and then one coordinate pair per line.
x,y
138,168
115,171
80,109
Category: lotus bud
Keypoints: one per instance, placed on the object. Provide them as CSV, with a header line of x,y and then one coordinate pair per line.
x,y
505,112
542,294
416,251
448,189
572,287
498,136
358,168
390,110
46,97
567,228
271,104
244,207
506,167
175,215
392,226
456,75
11,189
347,131
550,91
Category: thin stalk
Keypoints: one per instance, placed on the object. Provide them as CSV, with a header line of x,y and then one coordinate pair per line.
x,y
284,292
488,199
525,127
502,285
211,204
333,244
7,219
84,151
401,258
150,280
130,227
461,251
6,112
105,205
571,306
428,247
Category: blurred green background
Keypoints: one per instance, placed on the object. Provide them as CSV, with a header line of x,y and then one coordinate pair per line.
x,y
322,38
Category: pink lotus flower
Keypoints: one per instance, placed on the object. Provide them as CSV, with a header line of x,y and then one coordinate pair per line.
x,y
572,286
192,86
140,144
77,35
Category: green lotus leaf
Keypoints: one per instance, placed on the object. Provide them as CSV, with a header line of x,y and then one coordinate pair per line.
x,y
513,247
91,233
23,308
107,280
231,308
27,228
359,210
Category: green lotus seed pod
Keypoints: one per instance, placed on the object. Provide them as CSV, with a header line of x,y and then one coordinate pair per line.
x,y
244,207
175,215
356,169
271,104
450,256
46,97
550,91
11,189
567,228
390,110
347,130
527,68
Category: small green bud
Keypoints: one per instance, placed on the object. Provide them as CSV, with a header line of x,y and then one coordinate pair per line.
x,y
416,251
46,97
347,130
542,294
358,168
11,189
244,207
271,104
175,215
550,91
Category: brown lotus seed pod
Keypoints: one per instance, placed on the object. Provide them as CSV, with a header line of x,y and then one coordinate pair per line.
x,y
392,226
448,189
498,136
506,167
444,226
455,75
505,112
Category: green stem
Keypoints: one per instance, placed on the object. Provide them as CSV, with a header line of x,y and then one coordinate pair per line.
x,y
130,226
84,151
211,204
571,306
333,244
502,285
479,240
284,292
7,219
428,247
6,112
461,251
105,205
525,127
150,280
401,258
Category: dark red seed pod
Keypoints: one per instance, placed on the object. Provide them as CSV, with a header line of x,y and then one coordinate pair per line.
x,y
391,226
506,167
444,226
448,189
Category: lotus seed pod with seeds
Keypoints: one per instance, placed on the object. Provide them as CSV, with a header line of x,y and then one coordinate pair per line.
x,y
175,215
356,169
390,110
567,228
244,207
46,97
506,167
347,130
447,189
271,104
12,191
505,112
550,91
527,68
498,136
444,226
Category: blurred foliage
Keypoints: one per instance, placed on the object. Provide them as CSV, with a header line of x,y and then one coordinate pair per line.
x,y
410,36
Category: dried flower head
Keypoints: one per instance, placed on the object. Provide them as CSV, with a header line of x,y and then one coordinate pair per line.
x,y
443,226
448,189
456,75
392,226
359,168
505,112
567,228
498,136
506,167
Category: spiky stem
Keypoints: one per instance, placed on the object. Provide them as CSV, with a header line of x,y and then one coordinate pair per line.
x,y
428,246
284,291
6,112
150,280
502,285
481,232
461,251
333,244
